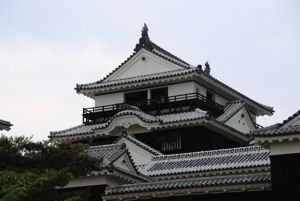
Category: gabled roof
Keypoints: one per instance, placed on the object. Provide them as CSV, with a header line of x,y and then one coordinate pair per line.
x,y
142,78
275,130
175,185
231,109
146,44
278,129
5,125
205,161
109,154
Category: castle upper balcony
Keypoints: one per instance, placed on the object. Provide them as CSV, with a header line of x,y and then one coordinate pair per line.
x,y
157,106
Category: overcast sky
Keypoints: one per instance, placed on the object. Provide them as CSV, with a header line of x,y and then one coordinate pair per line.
x,y
46,47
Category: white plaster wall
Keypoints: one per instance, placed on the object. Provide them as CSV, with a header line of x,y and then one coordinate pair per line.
x,y
109,99
286,147
181,88
137,66
139,156
200,89
239,123
219,99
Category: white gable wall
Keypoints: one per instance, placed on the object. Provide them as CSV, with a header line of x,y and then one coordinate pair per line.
x,y
139,155
124,163
136,66
242,124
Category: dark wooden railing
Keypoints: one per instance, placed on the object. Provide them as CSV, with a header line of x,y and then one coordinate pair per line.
x,y
163,105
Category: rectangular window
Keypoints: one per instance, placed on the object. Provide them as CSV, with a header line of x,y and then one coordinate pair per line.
x,y
171,143
136,98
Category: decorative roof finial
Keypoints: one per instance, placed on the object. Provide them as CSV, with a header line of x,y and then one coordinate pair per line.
x,y
145,31
144,41
207,68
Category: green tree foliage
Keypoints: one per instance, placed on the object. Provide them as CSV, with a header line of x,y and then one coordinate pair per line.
x,y
33,171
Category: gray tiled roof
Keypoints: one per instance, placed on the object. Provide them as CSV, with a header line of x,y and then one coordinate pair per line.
x,y
5,125
183,116
291,117
77,130
160,119
166,74
204,161
168,56
126,172
232,108
190,183
141,144
87,129
108,153
278,129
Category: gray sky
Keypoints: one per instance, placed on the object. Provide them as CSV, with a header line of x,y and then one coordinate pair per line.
x,y
46,47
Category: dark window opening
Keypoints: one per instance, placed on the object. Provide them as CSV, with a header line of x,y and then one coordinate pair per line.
x,y
209,96
159,95
171,142
136,98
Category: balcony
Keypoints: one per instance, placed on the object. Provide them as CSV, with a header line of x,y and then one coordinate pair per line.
x,y
166,105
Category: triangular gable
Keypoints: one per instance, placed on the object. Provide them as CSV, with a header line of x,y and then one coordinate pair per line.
x,y
241,121
143,62
140,156
124,162
293,120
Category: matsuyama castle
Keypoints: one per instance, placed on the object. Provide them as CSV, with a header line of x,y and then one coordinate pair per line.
x,y
168,130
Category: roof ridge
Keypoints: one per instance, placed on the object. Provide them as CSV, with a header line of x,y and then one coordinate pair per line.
x,y
67,129
291,117
169,53
270,109
139,175
105,145
211,153
189,183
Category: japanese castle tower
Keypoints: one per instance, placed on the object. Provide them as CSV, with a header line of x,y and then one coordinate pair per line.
x,y
168,130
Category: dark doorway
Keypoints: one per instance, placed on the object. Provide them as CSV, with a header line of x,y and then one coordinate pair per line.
x,y
160,95
136,98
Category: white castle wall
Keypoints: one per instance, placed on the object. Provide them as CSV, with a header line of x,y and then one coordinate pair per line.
x,y
109,99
